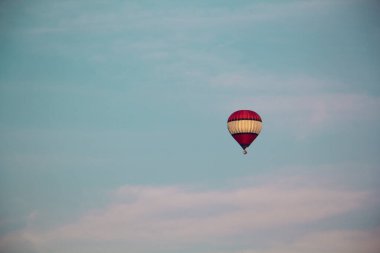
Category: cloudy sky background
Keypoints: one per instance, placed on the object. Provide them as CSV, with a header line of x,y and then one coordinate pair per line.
x,y
113,126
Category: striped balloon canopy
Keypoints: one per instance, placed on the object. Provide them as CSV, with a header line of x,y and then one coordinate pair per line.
x,y
244,126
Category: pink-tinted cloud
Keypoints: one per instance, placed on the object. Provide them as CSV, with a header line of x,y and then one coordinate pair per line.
x,y
147,218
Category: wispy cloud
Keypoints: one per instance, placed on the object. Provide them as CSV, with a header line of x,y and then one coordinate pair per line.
x,y
260,83
147,219
168,17
306,114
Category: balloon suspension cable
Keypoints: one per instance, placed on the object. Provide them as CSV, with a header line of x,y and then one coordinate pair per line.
x,y
245,152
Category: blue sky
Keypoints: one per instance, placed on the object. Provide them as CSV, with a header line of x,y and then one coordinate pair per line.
x,y
113,132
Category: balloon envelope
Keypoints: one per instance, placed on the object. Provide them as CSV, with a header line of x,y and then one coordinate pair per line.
x,y
244,126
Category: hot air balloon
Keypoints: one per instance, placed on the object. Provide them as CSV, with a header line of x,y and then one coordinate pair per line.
x,y
244,126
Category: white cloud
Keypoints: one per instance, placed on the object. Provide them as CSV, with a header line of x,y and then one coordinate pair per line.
x,y
303,114
146,218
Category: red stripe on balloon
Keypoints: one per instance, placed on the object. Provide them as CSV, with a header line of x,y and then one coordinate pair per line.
x,y
244,115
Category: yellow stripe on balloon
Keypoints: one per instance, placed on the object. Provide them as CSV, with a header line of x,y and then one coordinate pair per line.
x,y
244,126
